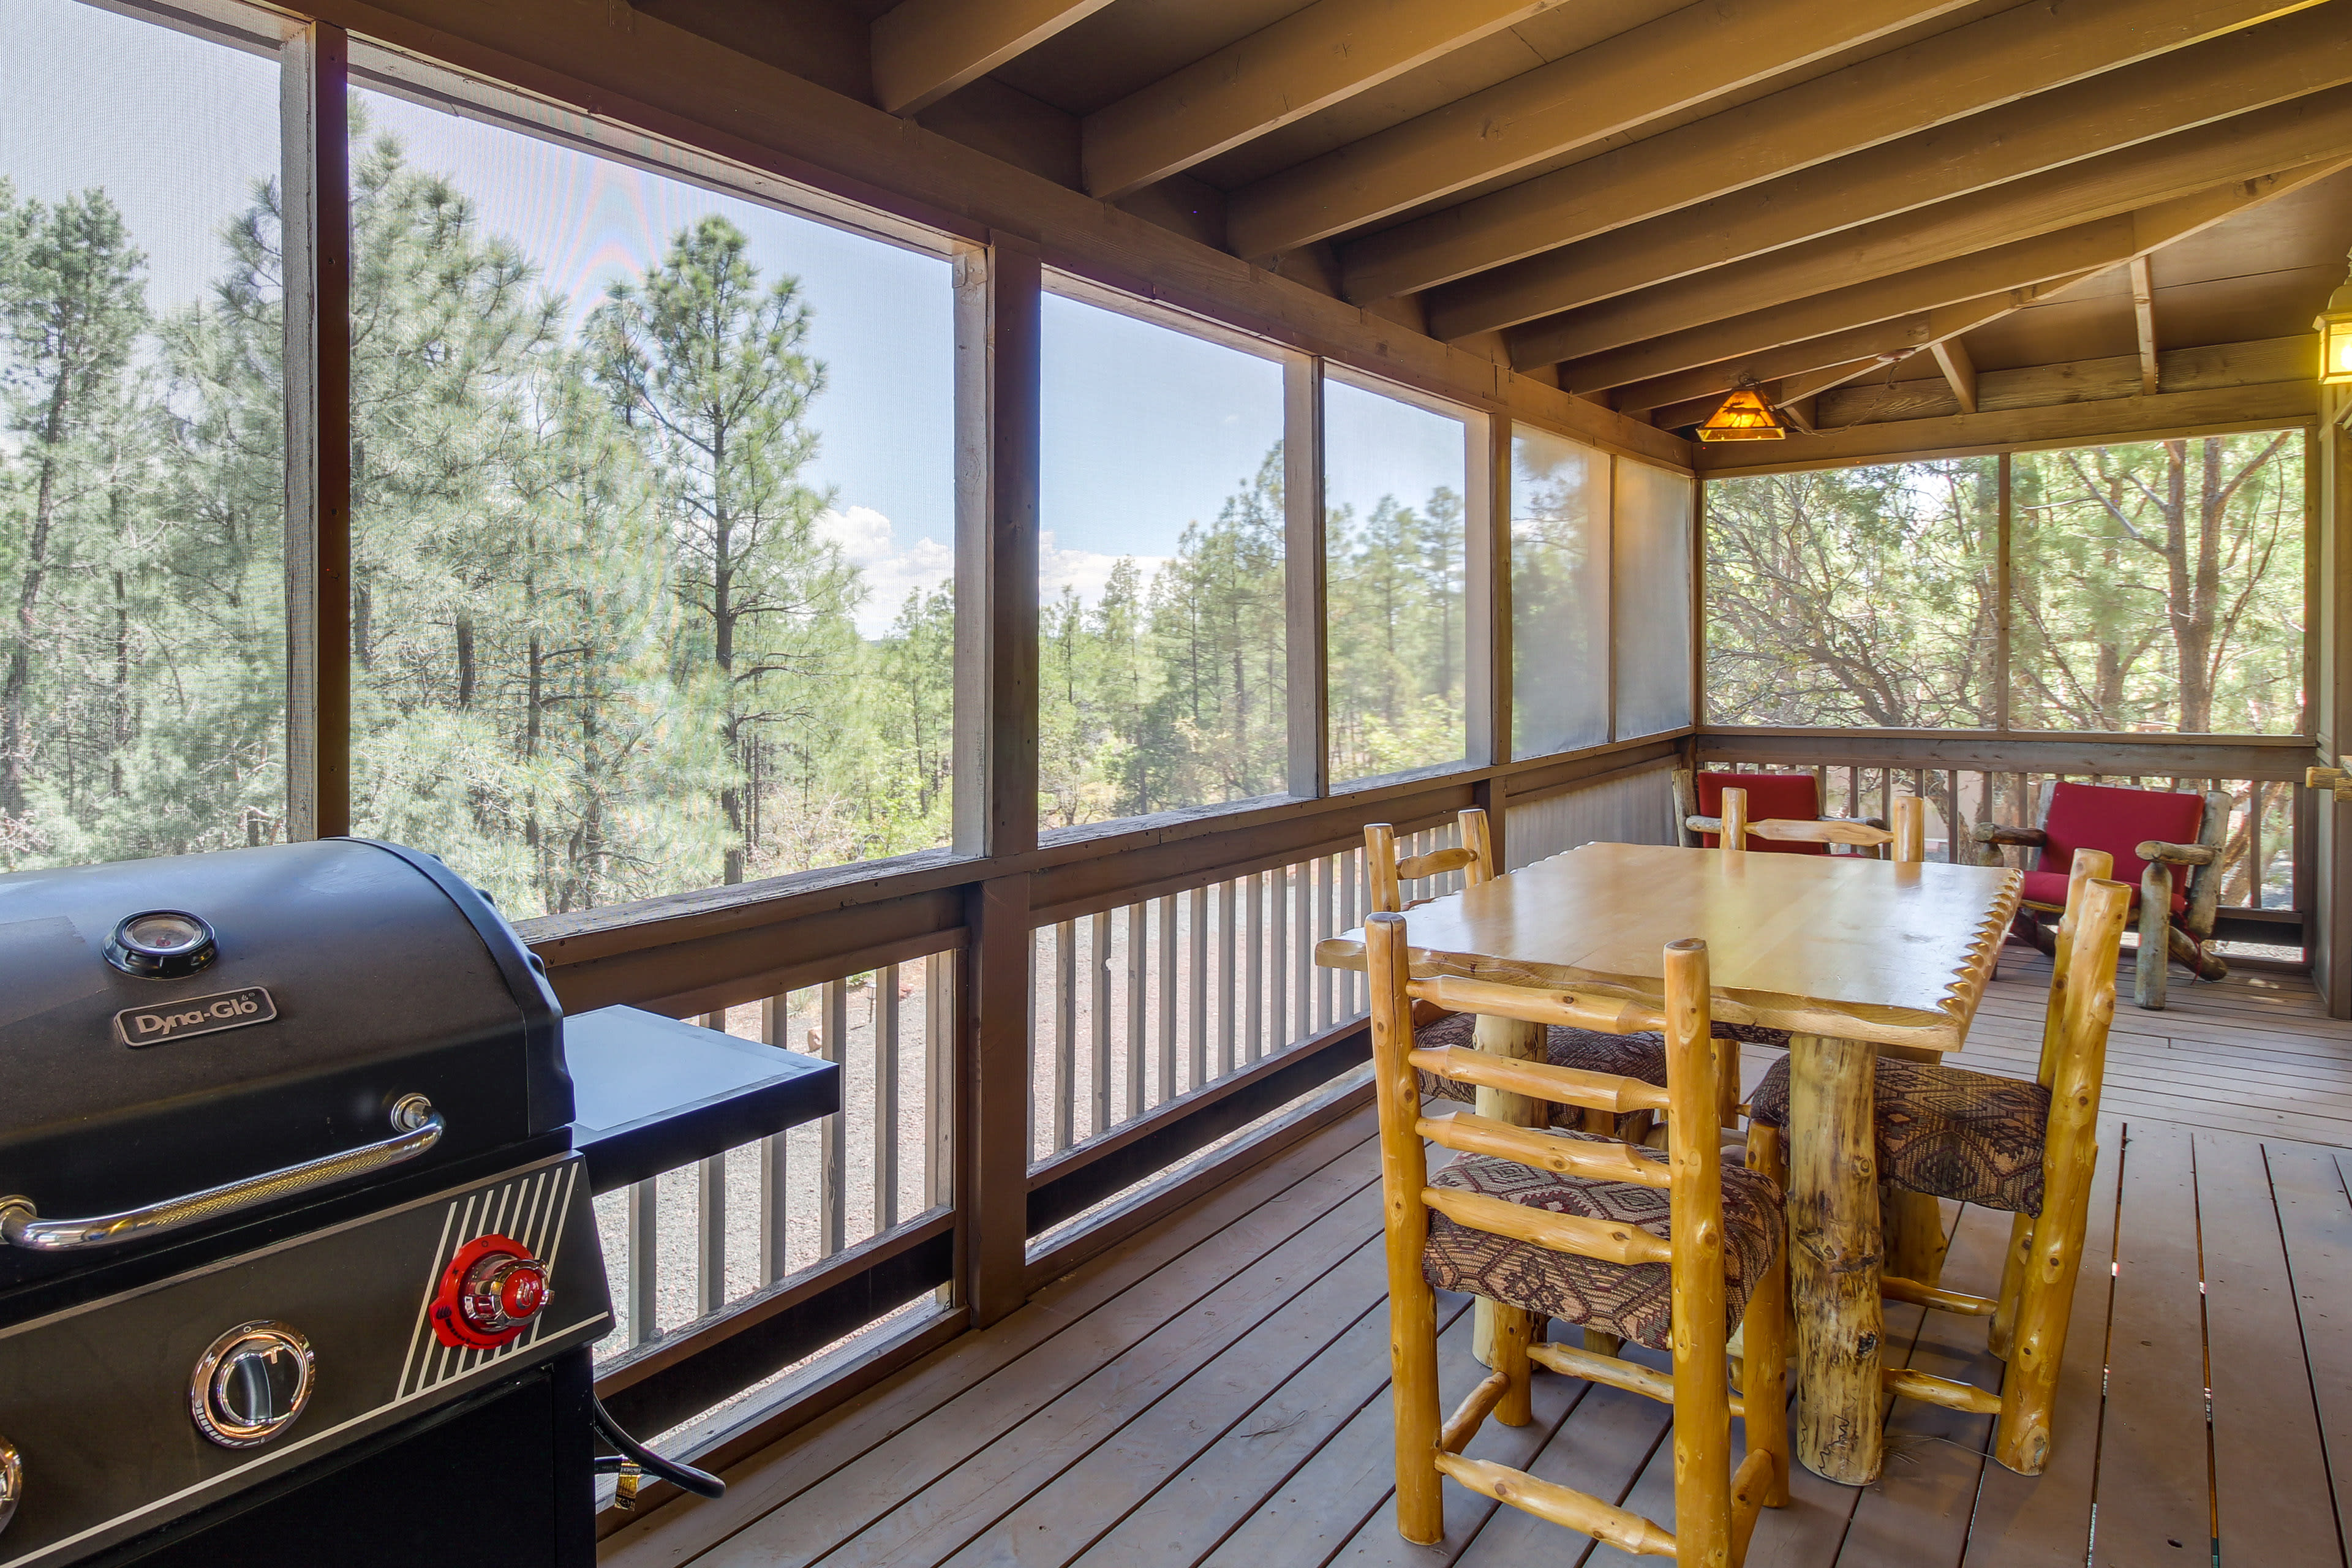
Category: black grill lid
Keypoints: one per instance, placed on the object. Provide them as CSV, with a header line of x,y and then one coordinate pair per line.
x,y
345,974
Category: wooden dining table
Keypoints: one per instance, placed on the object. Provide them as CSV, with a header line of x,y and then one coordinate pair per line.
x,y
1852,955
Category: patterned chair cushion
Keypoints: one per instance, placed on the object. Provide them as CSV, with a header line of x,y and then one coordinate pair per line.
x,y
1752,1034
1635,1303
1946,1132
1641,1057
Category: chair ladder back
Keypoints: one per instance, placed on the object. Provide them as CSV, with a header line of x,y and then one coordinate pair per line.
x,y
1387,872
1905,841
1702,1431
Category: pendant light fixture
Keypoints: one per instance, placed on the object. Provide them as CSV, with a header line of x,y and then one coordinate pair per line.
x,y
1746,416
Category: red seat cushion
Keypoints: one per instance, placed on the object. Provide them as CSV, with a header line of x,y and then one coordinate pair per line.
x,y
2117,820
1775,797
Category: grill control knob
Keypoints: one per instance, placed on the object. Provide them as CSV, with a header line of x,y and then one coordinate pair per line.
x,y
251,1383
490,1293
12,1481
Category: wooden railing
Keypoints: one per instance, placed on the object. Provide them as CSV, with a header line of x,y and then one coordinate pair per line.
x,y
1966,780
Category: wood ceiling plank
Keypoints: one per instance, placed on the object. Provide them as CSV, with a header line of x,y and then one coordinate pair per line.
x,y
2029,49
2166,97
1689,57
925,50
2284,137
1311,59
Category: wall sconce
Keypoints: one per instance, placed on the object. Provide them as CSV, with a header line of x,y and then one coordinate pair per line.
x,y
2335,329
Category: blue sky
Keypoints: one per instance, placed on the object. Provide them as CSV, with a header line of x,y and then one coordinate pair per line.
x,y
1146,429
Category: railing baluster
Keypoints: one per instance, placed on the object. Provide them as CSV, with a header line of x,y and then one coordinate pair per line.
x,y
644,1250
938,1079
775,1161
1278,961
1167,985
1197,1033
1099,1019
830,1039
1323,891
710,1214
1137,936
1228,1022
885,1016
1254,951
1303,957
1065,1030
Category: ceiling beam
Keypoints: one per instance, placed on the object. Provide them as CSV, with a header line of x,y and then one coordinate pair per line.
x,y
2203,369
925,50
2016,53
1685,59
2142,293
2248,147
1786,365
2135,107
2104,420
1309,60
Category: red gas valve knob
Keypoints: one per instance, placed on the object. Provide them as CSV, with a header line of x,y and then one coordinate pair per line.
x,y
489,1294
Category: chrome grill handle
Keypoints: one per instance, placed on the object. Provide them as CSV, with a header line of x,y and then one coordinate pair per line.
x,y
416,1128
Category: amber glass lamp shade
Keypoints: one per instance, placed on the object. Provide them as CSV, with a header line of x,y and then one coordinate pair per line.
x,y
1744,416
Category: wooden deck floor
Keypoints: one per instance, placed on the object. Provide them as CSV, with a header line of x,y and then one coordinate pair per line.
x,y
1214,1390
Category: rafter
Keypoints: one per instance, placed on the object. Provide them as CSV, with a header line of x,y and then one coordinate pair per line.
x,y
2143,292
1784,365
1786,394
1309,60
1960,370
2248,147
1681,60
2163,96
925,50
2003,58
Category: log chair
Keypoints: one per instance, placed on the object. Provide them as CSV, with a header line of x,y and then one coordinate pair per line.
x,y
1947,1132
1783,798
2148,832
1572,1226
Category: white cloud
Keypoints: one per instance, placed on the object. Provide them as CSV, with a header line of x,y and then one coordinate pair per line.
x,y
868,542
1087,571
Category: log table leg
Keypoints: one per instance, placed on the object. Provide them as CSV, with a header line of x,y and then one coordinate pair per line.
x,y
1524,1042
1834,1256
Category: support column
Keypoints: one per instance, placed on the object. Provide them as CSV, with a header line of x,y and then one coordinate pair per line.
x,y
997,292
317,240
1305,628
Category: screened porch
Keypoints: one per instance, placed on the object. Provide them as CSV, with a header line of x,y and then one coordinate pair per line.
x,y
922,534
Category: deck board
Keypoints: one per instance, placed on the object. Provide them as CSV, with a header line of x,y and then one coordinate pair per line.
x,y
1213,1391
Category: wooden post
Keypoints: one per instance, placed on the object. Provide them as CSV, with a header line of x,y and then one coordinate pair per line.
x,y
1764,1331
997,291
314,73
1909,825
1381,868
2152,967
1524,1042
1487,578
1833,1255
1702,1436
1404,1172
1303,572
2021,1442
1913,1233
1733,814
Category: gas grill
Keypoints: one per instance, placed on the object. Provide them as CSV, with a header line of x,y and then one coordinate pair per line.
x,y
297,1262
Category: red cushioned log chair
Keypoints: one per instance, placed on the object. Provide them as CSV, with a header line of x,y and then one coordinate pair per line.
x,y
2149,832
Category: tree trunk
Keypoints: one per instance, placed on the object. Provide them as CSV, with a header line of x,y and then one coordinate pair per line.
x,y
12,687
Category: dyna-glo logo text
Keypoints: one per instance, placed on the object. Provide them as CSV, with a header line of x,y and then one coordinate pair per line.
x,y
194,1015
